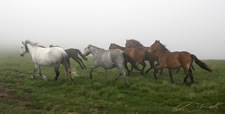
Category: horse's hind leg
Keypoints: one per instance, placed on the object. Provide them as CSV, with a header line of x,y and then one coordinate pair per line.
x,y
56,69
187,74
144,65
81,62
171,76
191,75
151,66
120,67
67,67
77,62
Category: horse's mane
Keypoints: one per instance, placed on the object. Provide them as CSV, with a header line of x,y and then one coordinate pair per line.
x,y
33,44
95,47
117,45
135,41
163,47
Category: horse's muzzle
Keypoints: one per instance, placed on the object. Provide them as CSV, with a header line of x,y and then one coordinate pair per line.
x,y
22,55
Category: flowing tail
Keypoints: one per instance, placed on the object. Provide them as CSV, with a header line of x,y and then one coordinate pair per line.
x,y
66,63
82,55
132,62
200,63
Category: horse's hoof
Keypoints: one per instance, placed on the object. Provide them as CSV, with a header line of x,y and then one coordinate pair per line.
x,y
128,86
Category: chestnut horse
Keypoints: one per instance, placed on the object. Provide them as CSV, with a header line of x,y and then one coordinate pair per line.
x,y
138,54
132,43
127,58
173,60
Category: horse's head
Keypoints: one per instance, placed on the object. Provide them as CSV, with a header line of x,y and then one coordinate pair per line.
x,y
23,49
158,46
155,46
87,50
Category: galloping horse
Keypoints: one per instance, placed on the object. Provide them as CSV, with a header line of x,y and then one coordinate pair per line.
x,y
173,60
137,54
147,56
127,58
107,59
44,56
74,53
134,43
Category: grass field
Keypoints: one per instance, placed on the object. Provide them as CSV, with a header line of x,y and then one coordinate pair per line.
x,y
20,93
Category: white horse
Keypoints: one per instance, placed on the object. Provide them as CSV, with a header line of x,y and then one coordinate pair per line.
x,y
107,59
44,56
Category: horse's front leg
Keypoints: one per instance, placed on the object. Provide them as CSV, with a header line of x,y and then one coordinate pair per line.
x,y
92,69
43,76
35,70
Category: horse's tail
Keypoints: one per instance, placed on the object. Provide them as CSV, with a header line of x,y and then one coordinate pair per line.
x,y
81,55
132,62
200,63
66,63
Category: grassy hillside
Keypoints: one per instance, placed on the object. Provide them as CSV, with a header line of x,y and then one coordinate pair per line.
x,y
20,93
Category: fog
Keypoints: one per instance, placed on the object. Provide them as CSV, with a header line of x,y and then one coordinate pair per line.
x,y
197,26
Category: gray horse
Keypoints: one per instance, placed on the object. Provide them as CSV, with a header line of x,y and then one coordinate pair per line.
x,y
107,59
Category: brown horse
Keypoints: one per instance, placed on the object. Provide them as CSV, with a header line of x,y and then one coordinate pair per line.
x,y
137,54
132,43
173,60
127,58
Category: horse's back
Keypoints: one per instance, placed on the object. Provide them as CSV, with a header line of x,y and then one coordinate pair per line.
x,y
178,57
49,56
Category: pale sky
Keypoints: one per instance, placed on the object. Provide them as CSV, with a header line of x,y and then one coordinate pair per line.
x,y
197,26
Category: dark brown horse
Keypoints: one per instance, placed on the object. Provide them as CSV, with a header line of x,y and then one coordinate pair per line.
x,y
75,53
127,57
132,43
137,54
173,60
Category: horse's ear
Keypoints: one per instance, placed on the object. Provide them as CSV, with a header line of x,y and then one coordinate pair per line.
x,y
23,43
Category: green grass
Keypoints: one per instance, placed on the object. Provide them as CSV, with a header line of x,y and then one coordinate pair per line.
x,y
20,93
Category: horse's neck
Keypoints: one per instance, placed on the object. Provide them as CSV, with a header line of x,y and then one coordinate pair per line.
x,y
162,53
32,49
95,50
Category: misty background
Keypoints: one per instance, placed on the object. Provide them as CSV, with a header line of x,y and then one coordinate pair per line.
x,y
197,26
